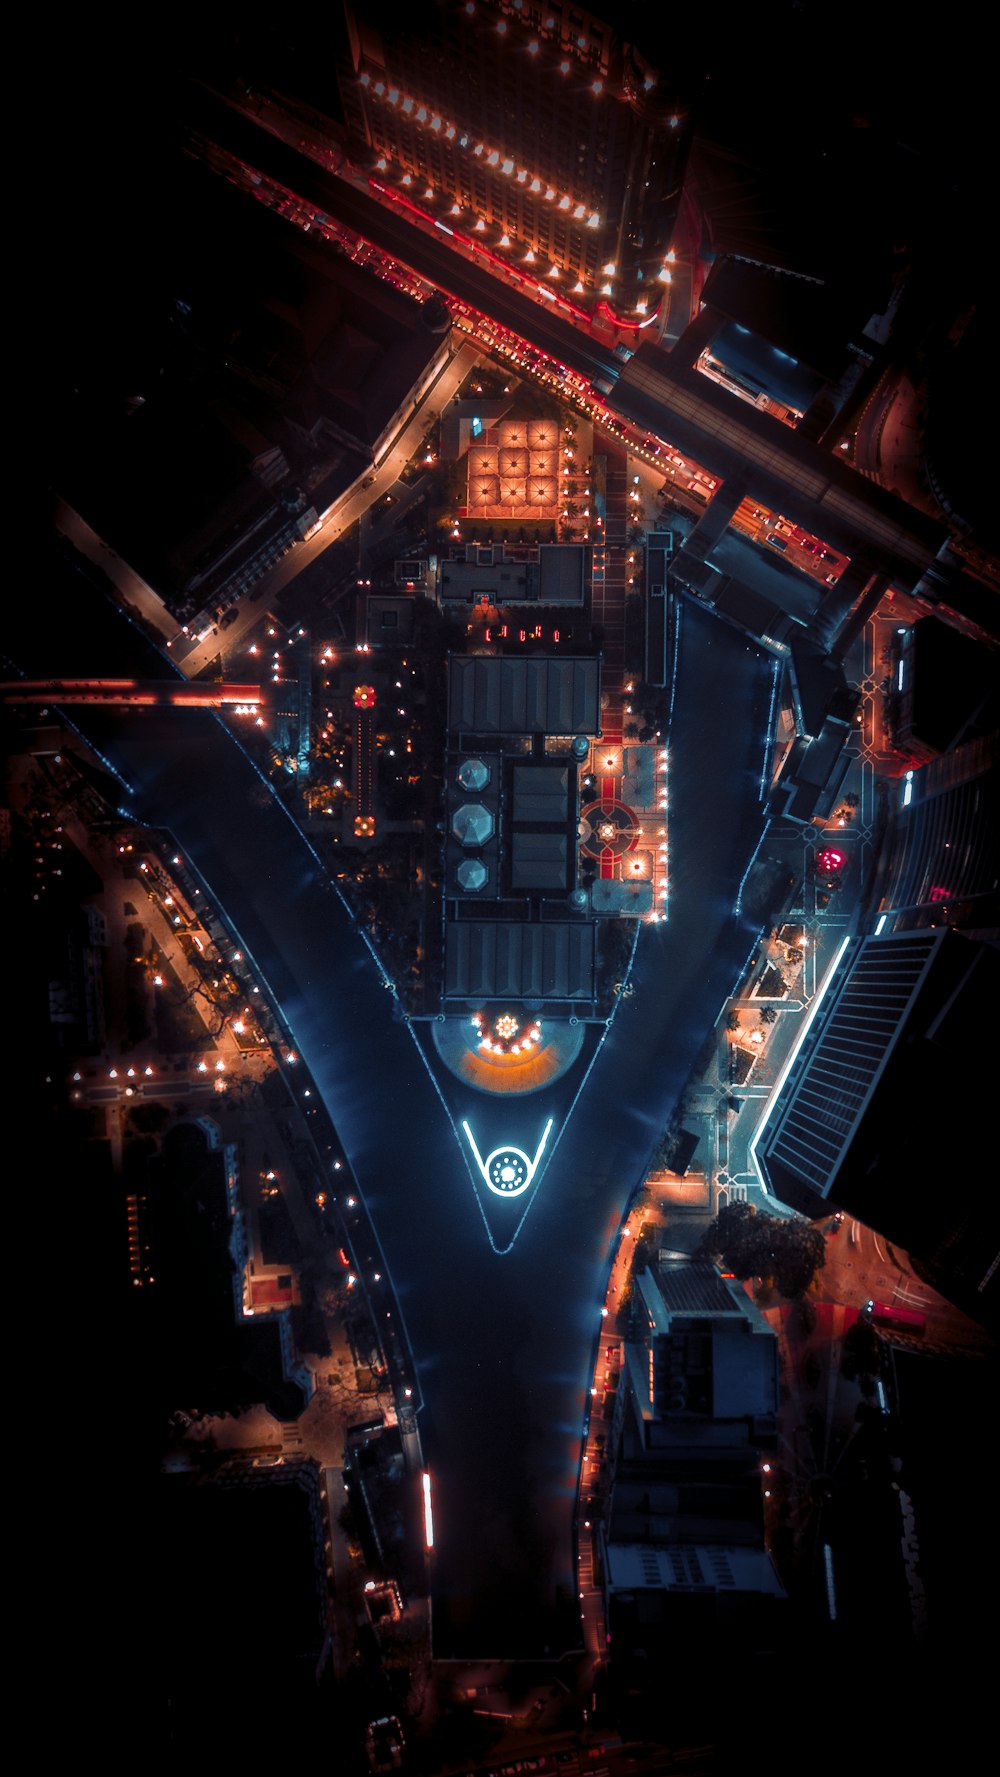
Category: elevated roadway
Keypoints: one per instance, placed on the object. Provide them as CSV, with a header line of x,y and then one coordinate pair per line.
x,y
125,693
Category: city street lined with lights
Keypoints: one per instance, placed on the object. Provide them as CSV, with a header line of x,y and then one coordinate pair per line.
x,y
487,1445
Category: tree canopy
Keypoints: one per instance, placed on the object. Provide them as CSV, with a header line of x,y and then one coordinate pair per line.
x,y
781,1250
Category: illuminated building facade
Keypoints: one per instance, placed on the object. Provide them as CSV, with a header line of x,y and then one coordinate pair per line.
x,y
515,931
530,126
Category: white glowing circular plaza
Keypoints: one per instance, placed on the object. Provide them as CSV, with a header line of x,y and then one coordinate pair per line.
x,y
508,1171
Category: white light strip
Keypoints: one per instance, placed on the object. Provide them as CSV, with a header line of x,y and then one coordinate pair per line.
x,y
507,1171
541,1145
425,1482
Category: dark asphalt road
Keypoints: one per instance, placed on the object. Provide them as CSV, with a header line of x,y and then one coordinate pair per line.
x,y
503,1344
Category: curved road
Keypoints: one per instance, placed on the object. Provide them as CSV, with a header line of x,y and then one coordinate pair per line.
x,y
503,1344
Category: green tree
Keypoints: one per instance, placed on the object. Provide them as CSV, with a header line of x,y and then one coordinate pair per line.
x,y
781,1251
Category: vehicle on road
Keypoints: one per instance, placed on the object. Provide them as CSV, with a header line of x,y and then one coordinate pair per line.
x,y
887,1314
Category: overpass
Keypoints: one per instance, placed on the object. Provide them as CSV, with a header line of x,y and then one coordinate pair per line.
x,y
128,693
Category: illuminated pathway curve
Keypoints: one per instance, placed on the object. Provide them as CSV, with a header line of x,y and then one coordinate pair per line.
x,y
504,1345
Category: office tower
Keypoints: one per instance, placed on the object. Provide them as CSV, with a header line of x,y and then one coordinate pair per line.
x,y
529,127
685,1558
881,1112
